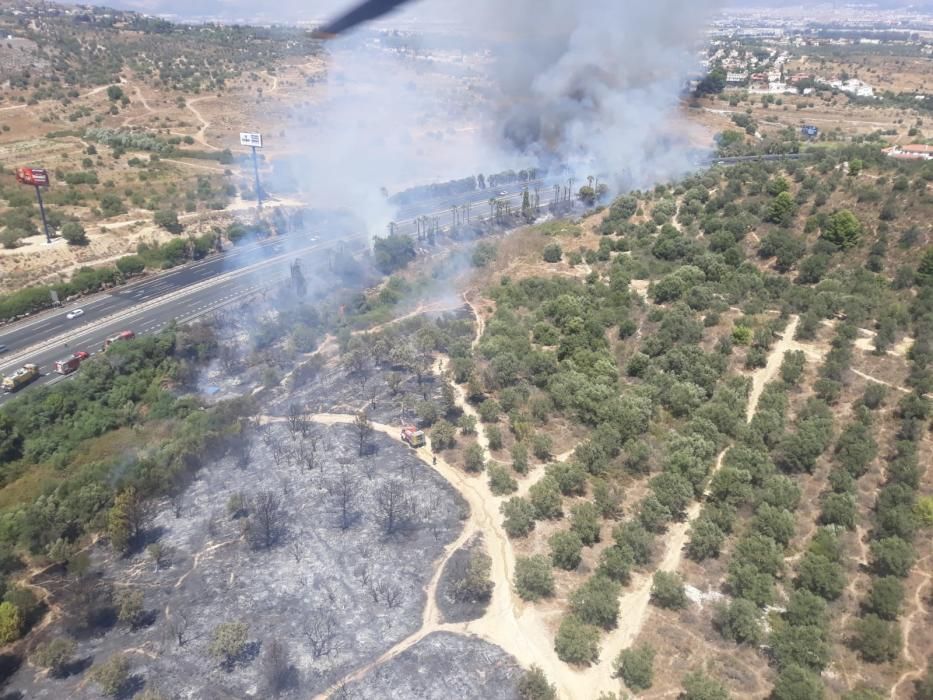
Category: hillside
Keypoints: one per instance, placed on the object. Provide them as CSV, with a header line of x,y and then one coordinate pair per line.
x,y
129,125
691,431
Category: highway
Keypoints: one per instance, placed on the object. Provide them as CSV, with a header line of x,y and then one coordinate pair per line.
x,y
144,307
181,294
198,288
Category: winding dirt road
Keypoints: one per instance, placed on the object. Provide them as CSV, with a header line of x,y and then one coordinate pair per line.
x,y
520,628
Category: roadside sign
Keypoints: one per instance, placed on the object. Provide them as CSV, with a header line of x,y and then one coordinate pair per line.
x,y
37,177
253,140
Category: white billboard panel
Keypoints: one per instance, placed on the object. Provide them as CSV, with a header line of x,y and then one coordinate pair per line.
x,y
251,139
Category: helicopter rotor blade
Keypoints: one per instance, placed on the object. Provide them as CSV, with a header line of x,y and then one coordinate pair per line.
x,y
364,12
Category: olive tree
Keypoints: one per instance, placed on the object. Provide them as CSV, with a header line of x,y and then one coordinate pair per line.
x,y
533,577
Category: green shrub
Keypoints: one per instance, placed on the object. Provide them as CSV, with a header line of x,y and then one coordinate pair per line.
x,y
474,461
53,655
877,640
667,590
635,667
739,621
584,521
534,686
566,549
519,517
596,602
699,686
616,562
552,253
797,683
74,233
112,675
501,481
533,577
577,642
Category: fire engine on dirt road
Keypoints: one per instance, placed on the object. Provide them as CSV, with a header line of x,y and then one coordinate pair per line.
x,y
413,436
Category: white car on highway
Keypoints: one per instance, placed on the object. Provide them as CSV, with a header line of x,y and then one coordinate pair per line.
x,y
74,314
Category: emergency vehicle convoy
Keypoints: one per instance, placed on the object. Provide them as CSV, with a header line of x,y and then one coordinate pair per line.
x,y
30,372
72,363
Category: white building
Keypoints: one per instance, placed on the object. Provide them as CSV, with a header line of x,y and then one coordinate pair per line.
x,y
736,77
852,86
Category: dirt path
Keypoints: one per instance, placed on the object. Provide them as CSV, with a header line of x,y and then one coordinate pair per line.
x,y
212,168
634,604
199,555
919,664
521,629
422,308
773,366
200,135
870,378
142,100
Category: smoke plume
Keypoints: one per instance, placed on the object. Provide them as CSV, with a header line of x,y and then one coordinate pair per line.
x,y
596,84
482,86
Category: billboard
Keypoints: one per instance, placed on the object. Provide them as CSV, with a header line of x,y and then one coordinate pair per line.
x,y
251,139
38,177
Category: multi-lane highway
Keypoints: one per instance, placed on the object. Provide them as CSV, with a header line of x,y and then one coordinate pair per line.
x,y
147,306
182,294
200,287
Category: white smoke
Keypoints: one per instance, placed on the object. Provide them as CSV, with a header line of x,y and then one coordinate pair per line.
x,y
591,85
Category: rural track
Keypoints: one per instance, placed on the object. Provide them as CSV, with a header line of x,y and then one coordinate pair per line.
x,y
919,664
634,603
519,628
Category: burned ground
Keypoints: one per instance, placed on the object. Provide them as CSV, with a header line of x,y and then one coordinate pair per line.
x,y
481,671
455,603
335,596
339,391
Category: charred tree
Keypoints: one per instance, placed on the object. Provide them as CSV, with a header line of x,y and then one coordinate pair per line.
x,y
267,522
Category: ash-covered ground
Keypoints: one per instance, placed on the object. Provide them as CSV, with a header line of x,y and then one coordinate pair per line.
x,y
339,391
455,604
336,585
442,666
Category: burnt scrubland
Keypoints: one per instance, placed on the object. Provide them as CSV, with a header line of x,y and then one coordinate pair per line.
x,y
678,445
324,566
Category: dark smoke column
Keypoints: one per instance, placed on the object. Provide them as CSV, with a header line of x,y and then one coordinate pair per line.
x,y
363,12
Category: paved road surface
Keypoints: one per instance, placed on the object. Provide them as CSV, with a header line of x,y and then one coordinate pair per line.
x,y
182,294
197,288
147,306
